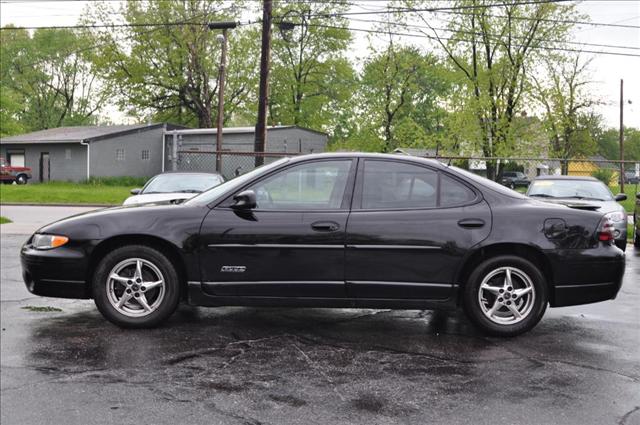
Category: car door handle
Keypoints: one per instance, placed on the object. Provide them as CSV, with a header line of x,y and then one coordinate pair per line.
x,y
325,226
471,223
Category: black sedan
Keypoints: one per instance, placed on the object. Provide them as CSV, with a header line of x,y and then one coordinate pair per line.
x,y
334,230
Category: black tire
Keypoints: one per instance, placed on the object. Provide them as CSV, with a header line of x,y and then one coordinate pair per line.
x,y
636,235
166,304
534,306
21,179
512,186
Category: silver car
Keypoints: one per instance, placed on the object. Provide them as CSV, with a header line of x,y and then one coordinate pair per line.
x,y
583,193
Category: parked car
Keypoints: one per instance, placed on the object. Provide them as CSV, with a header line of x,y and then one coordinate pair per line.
x,y
514,179
334,230
636,222
586,193
10,174
173,186
631,178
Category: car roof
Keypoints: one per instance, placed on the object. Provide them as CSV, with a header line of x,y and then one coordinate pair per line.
x,y
370,155
557,177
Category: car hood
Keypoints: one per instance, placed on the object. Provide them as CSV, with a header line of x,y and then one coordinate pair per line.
x,y
157,197
152,218
586,204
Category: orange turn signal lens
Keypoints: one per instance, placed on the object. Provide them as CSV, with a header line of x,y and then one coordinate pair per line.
x,y
57,241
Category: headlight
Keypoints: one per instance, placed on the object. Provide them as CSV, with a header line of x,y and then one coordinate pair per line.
x,y
616,216
48,241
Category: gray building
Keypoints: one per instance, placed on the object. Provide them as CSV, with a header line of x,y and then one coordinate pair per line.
x,y
194,149
77,153
144,150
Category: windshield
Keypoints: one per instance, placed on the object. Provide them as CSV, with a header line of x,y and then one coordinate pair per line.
x,y
190,183
576,189
214,193
489,183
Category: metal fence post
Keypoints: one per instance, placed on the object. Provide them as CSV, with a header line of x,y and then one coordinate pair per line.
x,y
174,151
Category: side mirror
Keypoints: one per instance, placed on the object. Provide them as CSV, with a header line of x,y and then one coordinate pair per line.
x,y
136,191
245,200
621,197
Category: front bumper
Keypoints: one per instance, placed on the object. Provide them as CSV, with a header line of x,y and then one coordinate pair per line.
x,y
60,272
585,276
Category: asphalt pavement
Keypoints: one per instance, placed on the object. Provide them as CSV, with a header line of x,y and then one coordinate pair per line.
x,y
62,363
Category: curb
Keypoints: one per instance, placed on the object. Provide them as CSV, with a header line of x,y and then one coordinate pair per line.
x,y
33,204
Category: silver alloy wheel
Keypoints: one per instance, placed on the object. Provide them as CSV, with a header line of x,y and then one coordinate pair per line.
x,y
135,287
506,295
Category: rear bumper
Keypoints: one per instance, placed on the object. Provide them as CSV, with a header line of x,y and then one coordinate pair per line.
x,y
586,276
59,273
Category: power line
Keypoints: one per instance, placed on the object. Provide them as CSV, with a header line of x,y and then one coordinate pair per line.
x,y
92,26
457,10
435,9
103,44
557,21
418,27
600,52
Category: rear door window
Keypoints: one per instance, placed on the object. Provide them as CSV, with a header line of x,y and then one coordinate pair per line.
x,y
397,185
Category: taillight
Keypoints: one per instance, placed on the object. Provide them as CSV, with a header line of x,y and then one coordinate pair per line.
x,y
605,231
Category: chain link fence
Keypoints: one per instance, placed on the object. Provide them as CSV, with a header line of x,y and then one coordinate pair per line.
x,y
229,164
609,171
502,169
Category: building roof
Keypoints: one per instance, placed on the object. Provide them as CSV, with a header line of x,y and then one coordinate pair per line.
x,y
245,130
79,134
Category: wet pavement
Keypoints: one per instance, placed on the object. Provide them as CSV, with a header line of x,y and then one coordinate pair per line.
x,y
62,363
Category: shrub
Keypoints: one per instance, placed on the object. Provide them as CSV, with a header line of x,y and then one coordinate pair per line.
x,y
603,175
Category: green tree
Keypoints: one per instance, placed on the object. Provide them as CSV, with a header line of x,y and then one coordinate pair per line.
x,y
47,80
566,101
311,80
491,47
400,88
170,72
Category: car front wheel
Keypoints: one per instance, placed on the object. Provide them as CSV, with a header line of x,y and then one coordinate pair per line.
x,y
136,286
505,296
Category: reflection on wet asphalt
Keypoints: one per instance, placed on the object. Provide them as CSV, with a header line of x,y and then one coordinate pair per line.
x,y
271,366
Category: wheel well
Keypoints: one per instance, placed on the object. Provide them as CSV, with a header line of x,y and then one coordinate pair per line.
x,y
167,248
527,252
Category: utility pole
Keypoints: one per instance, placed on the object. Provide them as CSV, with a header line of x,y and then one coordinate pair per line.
x,y
621,137
261,126
222,38
223,60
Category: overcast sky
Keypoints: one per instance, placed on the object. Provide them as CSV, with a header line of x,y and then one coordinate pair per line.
x,y
606,70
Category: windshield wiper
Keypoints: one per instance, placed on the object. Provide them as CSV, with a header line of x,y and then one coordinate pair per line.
x,y
541,195
584,197
188,191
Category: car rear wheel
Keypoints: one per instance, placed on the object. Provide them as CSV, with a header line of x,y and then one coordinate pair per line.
x,y
636,235
505,296
136,286
21,179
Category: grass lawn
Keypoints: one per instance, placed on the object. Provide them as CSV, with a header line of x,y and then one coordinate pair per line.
x,y
630,190
4,220
64,193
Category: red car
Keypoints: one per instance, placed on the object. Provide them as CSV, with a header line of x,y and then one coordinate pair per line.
x,y
9,174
